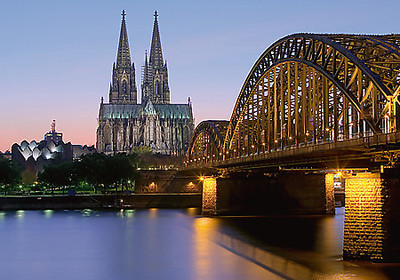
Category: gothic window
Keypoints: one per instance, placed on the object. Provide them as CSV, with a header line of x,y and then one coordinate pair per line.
x,y
186,135
157,88
107,135
124,87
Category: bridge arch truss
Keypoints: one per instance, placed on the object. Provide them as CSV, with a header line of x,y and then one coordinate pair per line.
x,y
313,88
207,142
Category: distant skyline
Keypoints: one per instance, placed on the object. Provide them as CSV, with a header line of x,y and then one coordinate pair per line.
x,y
56,56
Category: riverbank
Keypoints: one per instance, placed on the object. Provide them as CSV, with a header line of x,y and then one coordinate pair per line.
x,y
148,200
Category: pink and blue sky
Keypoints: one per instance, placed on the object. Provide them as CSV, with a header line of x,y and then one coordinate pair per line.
x,y
56,56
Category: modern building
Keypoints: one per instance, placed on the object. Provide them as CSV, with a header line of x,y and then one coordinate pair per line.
x,y
33,156
123,123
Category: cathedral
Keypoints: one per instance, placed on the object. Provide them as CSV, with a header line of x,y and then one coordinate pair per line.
x,y
124,124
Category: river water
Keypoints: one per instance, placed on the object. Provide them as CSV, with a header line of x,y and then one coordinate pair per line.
x,y
175,244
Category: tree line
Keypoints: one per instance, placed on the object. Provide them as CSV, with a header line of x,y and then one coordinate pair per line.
x,y
96,171
10,175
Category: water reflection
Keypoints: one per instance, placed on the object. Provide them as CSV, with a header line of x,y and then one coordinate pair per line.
x,y
128,214
174,244
87,212
48,213
20,214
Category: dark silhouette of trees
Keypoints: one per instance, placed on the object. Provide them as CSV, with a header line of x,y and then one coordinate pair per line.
x,y
57,175
10,175
98,169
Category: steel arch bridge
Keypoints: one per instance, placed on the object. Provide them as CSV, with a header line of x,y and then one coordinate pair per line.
x,y
207,142
308,89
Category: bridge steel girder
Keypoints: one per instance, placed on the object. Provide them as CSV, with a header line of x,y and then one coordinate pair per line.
x,y
207,142
313,88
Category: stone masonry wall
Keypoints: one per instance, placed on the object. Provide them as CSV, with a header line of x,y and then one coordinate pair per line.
x,y
364,233
209,202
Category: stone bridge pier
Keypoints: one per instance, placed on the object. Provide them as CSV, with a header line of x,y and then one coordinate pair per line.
x,y
372,211
372,216
269,193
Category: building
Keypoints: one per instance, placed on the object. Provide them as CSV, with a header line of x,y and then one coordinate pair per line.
x,y
123,123
7,154
53,135
33,156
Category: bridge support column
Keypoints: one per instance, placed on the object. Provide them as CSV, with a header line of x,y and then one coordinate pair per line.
x,y
209,200
329,194
372,217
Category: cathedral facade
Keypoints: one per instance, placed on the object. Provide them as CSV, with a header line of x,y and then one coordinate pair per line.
x,y
124,124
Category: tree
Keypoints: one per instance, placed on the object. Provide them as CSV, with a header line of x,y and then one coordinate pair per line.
x,y
57,175
100,169
121,169
95,169
91,168
10,175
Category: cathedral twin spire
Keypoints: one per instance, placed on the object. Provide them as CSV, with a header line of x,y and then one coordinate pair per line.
x,y
155,73
123,85
123,55
156,57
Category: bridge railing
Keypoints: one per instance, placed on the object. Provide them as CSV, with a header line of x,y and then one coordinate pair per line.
x,y
364,142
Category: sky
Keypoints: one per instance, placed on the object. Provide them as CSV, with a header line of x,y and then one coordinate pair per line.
x,y
56,56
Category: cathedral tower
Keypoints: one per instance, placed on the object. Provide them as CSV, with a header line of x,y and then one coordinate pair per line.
x,y
124,125
155,73
123,86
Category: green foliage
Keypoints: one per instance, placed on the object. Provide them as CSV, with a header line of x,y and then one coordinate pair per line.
x,y
92,170
141,150
10,175
58,175
83,186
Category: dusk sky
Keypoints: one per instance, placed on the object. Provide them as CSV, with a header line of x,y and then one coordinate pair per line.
x,y
56,56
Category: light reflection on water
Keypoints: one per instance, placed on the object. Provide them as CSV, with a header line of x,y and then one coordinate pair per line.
x,y
171,244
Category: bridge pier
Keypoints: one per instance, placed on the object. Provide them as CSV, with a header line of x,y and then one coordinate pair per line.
x,y
372,217
280,193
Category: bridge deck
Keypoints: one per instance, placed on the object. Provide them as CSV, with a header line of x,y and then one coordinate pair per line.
x,y
361,149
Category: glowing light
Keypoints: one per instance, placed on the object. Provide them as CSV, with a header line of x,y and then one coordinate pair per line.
x,y
20,214
201,178
48,213
339,174
209,201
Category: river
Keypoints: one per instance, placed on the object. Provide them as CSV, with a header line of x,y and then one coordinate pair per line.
x,y
175,244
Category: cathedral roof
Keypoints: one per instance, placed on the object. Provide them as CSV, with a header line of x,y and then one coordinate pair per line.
x,y
164,111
